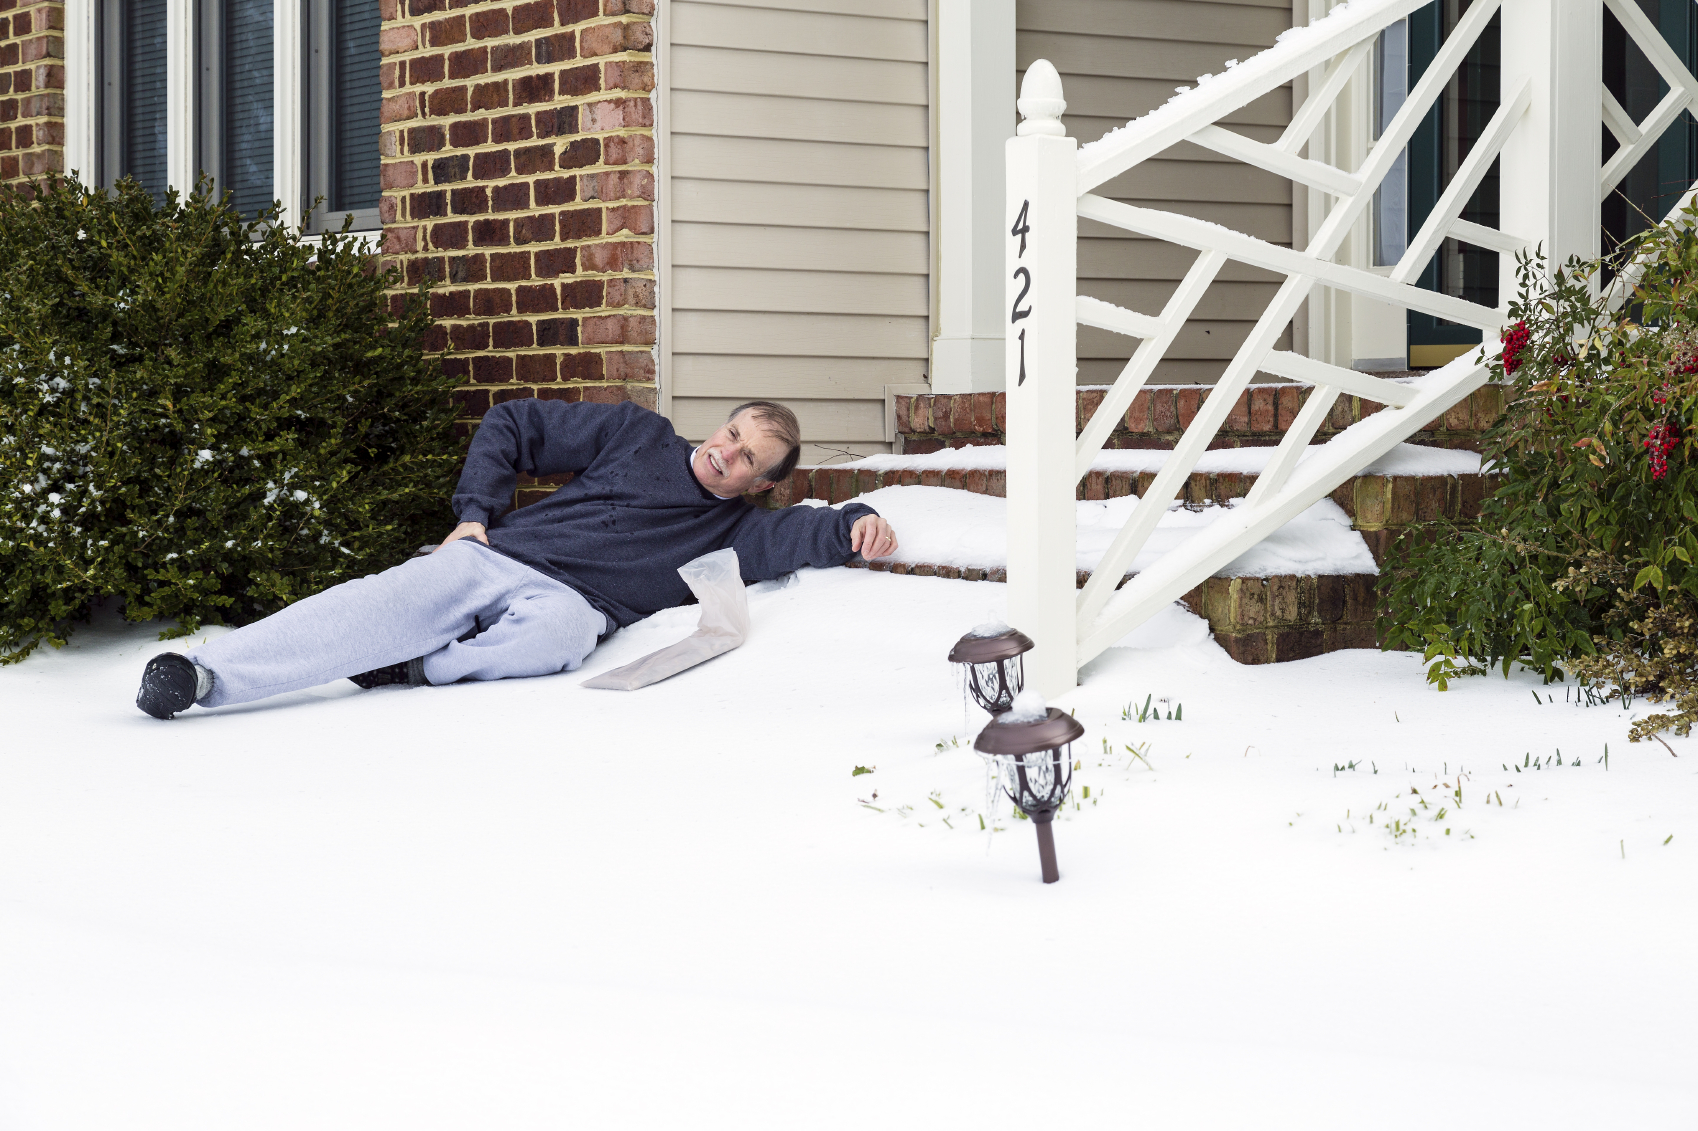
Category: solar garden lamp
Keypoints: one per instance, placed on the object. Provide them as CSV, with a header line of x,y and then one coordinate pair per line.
x,y
993,656
1033,749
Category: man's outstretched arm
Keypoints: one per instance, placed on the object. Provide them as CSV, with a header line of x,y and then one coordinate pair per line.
x,y
771,543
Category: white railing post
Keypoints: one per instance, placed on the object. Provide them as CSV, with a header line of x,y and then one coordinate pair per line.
x,y
1549,166
1041,260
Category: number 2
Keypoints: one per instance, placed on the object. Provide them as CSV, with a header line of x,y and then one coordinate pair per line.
x,y
1016,313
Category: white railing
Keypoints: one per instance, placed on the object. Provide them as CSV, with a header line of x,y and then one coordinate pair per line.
x,y
1546,138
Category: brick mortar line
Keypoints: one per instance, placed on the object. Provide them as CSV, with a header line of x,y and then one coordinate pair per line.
x,y
562,139
629,55
445,186
529,70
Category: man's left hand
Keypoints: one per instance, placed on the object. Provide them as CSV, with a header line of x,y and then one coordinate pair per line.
x,y
872,537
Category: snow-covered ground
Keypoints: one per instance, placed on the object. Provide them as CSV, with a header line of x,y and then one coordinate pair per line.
x,y
533,905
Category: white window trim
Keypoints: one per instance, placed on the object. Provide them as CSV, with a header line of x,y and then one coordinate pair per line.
x,y
288,153
82,91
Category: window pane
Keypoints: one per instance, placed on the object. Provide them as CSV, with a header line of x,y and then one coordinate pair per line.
x,y
359,97
1391,199
143,152
248,107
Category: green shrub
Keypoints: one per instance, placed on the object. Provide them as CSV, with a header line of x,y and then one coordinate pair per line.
x,y
1583,557
203,418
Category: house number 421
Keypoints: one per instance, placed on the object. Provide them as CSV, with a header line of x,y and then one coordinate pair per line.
x,y
1015,314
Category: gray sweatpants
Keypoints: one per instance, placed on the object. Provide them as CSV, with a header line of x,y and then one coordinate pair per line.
x,y
515,621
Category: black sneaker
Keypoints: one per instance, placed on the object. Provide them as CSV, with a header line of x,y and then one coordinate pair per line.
x,y
407,673
168,685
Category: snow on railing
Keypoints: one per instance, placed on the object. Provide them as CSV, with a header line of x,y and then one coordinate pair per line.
x,y
1545,137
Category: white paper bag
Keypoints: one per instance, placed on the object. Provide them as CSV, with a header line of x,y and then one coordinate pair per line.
x,y
717,582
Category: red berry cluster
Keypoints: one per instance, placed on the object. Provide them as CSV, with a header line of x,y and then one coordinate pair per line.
x,y
1662,439
1513,343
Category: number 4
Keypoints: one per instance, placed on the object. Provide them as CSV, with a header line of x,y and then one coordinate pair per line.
x,y
1021,227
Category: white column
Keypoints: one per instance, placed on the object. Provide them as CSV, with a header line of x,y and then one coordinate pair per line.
x,y
975,95
288,150
1040,222
181,159
82,92
1549,167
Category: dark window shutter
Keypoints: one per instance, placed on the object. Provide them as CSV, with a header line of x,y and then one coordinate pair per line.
x,y
249,109
144,95
359,97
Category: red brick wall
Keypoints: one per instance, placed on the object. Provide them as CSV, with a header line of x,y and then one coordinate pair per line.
x,y
518,172
32,88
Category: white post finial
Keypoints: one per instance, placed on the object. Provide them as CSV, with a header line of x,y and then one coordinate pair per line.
x,y
1040,102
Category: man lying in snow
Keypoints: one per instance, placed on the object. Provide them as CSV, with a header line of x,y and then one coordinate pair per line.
x,y
530,592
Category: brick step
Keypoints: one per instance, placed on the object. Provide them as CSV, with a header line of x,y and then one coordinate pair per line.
x,y
1380,506
1258,620
929,422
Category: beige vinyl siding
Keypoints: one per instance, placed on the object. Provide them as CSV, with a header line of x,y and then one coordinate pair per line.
x,y
1122,58
798,224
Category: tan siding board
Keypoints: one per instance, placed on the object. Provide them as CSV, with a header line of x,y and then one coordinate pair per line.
x,y
816,455
695,418
801,33
799,335
1120,59
799,119
1127,58
1148,296
799,218
887,9
746,377
1151,259
746,245
1200,181
1089,129
773,72
798,162
1271,222
1200,340
797,292
800,206
1184,20
1099,96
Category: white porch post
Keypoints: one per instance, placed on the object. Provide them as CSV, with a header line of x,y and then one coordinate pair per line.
x,y
1550,164
287,148
81,92
975,90
181,163
1039,232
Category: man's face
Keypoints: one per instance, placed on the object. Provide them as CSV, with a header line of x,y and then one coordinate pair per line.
x,y
734,459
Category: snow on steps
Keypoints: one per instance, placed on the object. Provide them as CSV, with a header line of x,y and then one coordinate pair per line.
x,y
1307,589
1414,483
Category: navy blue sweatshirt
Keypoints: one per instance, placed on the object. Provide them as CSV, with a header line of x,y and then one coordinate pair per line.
x,y
634,511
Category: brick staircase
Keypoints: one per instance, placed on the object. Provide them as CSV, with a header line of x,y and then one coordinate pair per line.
x,y
1257,620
